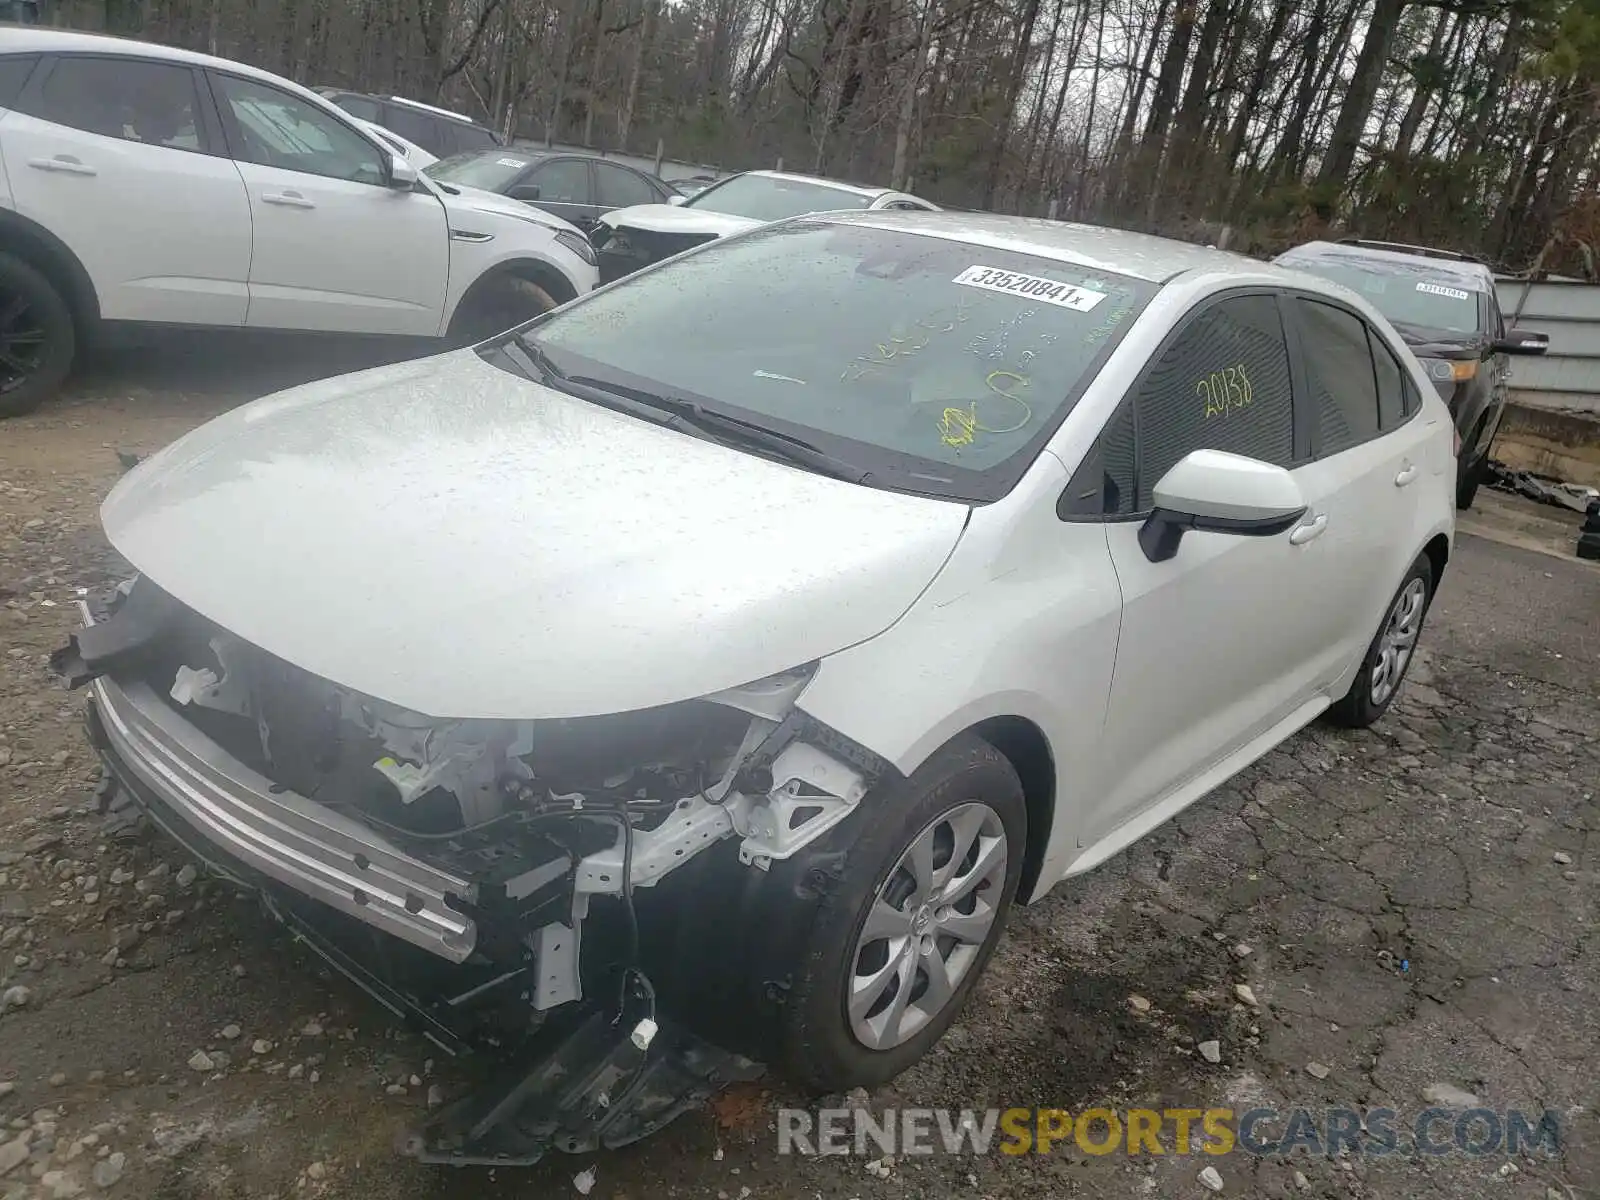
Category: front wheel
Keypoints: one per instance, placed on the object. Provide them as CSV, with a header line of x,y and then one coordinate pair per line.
x,y
1384,668
496,306
898,946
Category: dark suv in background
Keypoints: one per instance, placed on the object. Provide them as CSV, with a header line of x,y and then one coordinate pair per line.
x,y
1444,305
437,130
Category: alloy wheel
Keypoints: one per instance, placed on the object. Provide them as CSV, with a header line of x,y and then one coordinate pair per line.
x,y
926,925
21,340
1398,640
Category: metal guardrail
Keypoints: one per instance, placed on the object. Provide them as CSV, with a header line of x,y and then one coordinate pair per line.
x,y
1567,377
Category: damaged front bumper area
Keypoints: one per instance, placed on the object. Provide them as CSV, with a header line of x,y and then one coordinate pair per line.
x,y
484,880
248,819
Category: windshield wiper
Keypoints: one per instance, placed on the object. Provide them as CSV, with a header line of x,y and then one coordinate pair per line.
x,y
722,427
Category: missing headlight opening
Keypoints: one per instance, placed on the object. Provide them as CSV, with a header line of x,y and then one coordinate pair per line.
x,y
513,865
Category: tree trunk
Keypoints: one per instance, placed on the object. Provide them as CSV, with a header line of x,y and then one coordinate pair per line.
x,y
592,100
1258,81
1357,104
635,72
1422,87
908,97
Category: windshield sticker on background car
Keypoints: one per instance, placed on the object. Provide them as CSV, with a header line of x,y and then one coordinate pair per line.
x,y
1438,289
1031,287
1225,391
510,162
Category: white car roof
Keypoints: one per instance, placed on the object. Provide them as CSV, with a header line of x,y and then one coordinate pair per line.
x,y
852,188
1140,255
23,39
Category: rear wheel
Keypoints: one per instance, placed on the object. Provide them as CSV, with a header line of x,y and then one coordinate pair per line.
x,y
37,338
1389,656
496,306
897,948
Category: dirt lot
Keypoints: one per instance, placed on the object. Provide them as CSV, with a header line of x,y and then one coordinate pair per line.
x,y
1410,907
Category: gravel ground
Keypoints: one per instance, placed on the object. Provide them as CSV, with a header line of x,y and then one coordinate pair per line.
x,y
1409,907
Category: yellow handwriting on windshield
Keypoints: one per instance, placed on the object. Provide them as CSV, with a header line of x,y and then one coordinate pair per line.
x,y
958,427
1225,391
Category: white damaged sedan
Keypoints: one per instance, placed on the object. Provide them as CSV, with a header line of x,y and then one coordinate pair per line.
x,y
695,675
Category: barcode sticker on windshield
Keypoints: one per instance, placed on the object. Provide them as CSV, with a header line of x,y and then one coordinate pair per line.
x,y
1030,287
510,162
1438,289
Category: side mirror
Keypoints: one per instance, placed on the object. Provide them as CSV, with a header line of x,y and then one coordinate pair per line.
x,y
1216,492
676,200
402,175
527,192
1522,341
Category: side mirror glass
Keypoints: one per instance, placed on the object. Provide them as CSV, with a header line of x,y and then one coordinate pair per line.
x,y
676,200
402,175
1216,492
525,191
1522,341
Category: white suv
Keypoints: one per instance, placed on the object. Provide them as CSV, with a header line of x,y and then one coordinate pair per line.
x,y
147,184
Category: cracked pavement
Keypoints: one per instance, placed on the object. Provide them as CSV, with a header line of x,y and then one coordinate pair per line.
x,y
1410,906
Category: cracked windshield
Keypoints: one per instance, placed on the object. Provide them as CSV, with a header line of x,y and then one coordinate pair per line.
x,y
877,341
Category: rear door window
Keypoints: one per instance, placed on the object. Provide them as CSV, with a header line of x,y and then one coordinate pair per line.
x,y
1393,384
1339,370
470,137
360,106
417,127
621,188
133,100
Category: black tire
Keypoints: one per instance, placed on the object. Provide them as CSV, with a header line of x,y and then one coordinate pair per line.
x,y
1470,474
1365,702
817,1046
496,306
37,337
1467,481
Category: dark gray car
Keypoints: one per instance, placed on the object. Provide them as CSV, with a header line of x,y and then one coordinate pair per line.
x,y
578,188
1444,305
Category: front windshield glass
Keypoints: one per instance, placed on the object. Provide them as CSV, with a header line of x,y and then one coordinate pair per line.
x,y
936,365
492,172
765,198
1407,294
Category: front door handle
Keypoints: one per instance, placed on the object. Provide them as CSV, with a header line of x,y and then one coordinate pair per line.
x,y
1407,474
287,199
65,164
1309,531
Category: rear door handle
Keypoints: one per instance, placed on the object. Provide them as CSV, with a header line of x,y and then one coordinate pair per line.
x,y
1407,474
1310,530
287,199
66,164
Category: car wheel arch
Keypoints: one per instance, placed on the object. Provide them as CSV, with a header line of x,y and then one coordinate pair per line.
x,y
534,270
53,258
1024,745
1438,553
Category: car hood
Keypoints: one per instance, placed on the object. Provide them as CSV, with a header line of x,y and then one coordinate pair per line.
x,y
476,202
462,542
677,218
